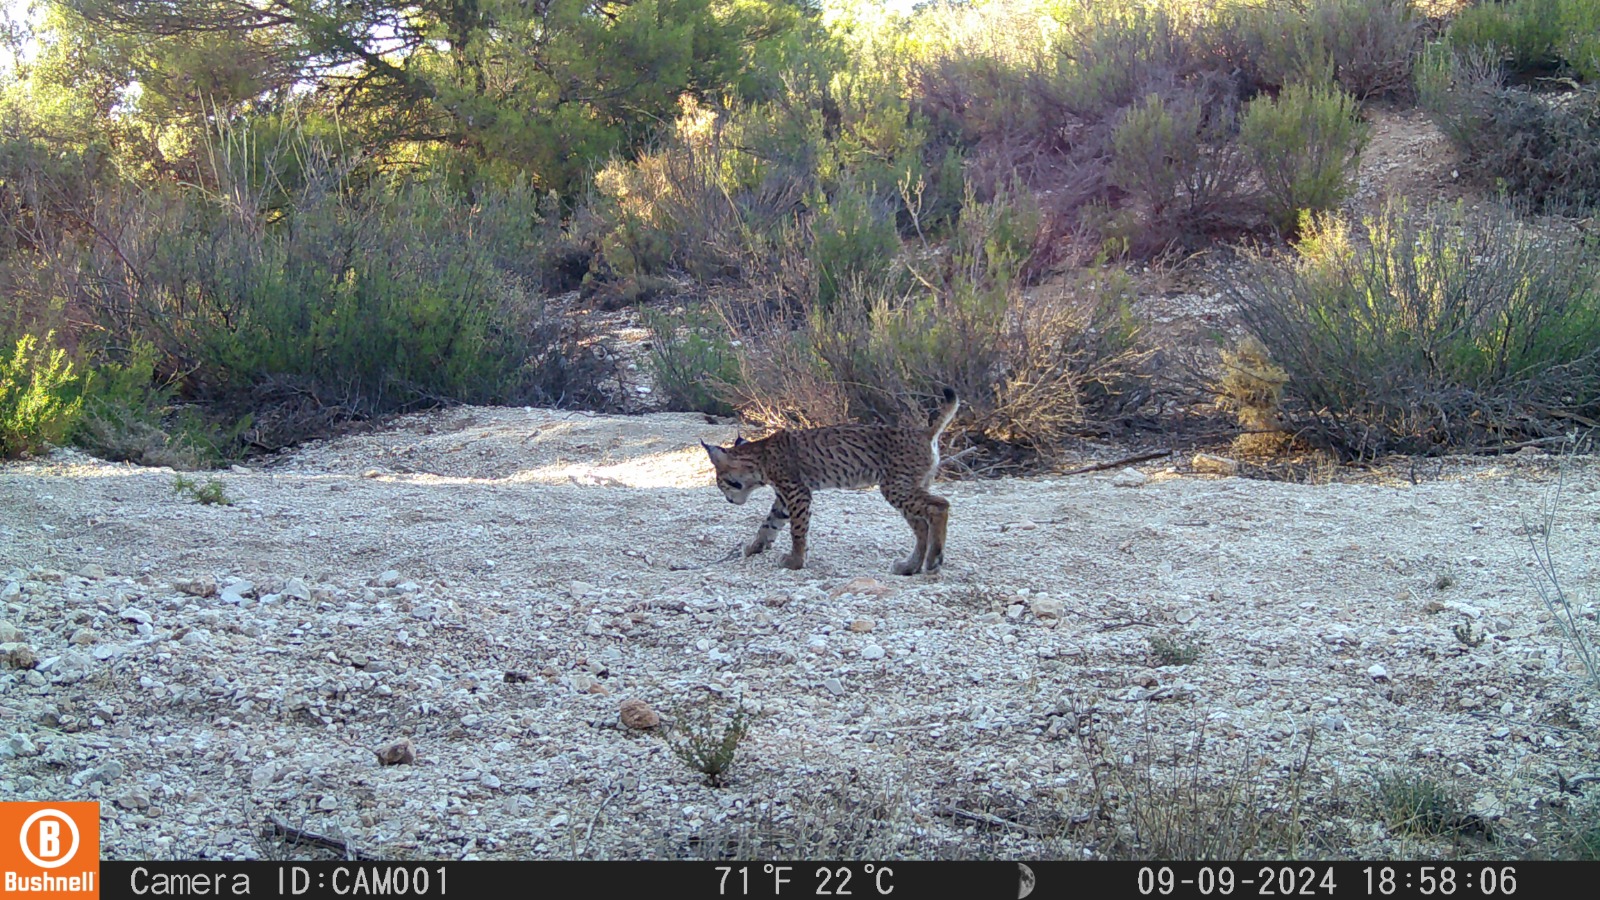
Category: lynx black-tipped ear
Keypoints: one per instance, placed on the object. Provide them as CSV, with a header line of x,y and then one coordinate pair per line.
x,y
739,440
716,453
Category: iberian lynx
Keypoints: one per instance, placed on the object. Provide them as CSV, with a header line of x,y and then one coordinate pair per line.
x,y
901,461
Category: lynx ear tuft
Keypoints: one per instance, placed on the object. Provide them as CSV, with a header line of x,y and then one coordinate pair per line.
x,y
716,453
739,440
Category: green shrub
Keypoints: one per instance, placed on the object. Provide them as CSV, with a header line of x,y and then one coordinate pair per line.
x,y
852,238
693,362
1156,145
1533,37
1113,55
39,396
50,184
1544,148
717,201
1366,46
353,296
382,300
1370,44
1525,34
1443,330
1177,160
129,415
972,78
1580,25
1305,144
1120,119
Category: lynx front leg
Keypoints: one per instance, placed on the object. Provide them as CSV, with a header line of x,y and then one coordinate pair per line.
x,y
799,508
769,529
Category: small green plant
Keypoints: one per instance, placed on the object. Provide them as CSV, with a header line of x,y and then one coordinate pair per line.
x,y
1467,634
211,493
1179,650
705,736
1421,805
39,396
1304,143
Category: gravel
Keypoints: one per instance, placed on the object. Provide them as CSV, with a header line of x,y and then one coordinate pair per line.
x,y
432,660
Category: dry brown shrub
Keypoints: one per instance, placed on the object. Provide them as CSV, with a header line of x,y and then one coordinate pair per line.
x,y
1031,371
1251,387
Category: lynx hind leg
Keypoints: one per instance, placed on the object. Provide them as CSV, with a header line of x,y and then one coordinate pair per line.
x,y
768,532
926,514
938,521
912,564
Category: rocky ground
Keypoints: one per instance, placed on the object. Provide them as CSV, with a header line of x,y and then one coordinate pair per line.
x,y
493,584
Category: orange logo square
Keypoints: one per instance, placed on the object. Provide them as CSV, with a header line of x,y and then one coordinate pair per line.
x,y
50,850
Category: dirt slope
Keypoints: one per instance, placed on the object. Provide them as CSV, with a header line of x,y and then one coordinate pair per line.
x,y
528,593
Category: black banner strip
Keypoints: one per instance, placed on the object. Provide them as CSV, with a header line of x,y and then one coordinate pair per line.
x,y
853,880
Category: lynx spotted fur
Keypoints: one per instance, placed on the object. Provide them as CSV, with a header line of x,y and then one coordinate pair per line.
x,y
900,461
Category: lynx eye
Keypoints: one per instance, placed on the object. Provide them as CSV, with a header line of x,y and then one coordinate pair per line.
x,y
735,485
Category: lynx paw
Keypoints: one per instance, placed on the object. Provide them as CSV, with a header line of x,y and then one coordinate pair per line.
x,y
754,547
907,567
794,561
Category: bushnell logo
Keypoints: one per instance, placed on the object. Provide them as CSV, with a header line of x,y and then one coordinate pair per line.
x,y
50,850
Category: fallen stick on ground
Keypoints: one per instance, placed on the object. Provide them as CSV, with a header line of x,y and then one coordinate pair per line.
x,y
685,567
282,829
956,812
1125,461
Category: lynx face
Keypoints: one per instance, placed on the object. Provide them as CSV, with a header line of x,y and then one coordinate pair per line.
x,y
736,477
901,461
